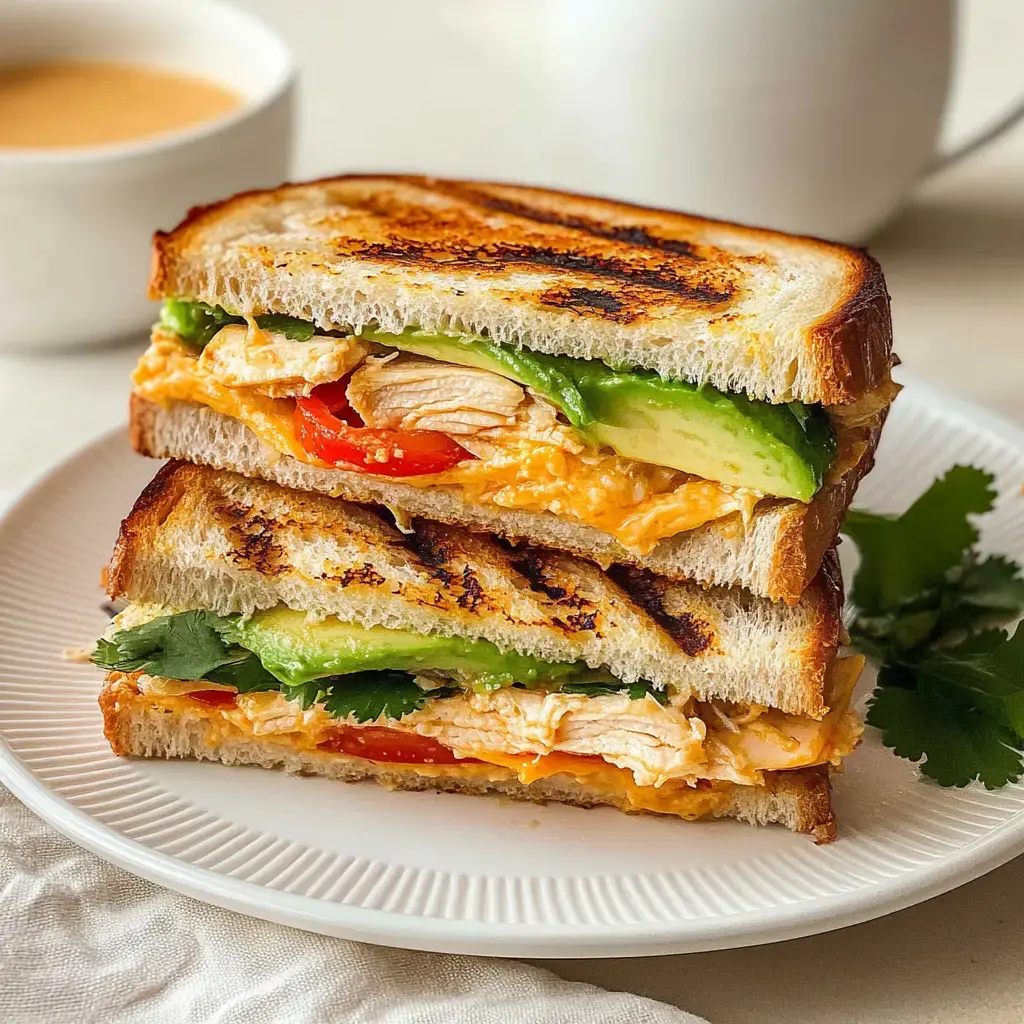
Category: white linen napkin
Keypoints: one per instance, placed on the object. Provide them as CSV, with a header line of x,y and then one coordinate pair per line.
x,y
82,940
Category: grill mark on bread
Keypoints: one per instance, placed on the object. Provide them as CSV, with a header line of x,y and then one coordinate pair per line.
x,y
364,575
411,233
253,538
439,563
630,234
694,635
579,622
589,300
582,613
620,276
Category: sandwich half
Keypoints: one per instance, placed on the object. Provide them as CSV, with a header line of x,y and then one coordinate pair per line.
x,y
270,627
690,397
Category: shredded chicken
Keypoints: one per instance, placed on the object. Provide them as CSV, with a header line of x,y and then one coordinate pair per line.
x,y
535,420
275,365
656,743
409,393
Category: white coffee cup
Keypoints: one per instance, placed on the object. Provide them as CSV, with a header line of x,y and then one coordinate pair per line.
x,y
812,116
76,223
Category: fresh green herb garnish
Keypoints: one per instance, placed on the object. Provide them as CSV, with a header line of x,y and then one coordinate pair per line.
x,y
950,687
636,691
367,696
189,645
197,322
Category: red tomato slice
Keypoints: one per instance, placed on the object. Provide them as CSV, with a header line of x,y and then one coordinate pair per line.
x,y
335,396
384,452
215,698
376,743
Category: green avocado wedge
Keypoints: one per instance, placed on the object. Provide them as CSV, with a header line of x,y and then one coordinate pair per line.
x,y
731,438
782,450
297,651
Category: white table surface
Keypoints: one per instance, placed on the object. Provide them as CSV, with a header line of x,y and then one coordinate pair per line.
x,y
954,262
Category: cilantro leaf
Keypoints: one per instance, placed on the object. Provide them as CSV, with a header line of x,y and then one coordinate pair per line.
x,y
950,687
307,694
902,556
367,696
975,595
958,744
187,645
991,592
290,326
245,672
636,691
985,671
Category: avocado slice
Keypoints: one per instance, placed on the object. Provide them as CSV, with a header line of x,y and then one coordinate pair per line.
x,y
784,450
297,651
731,438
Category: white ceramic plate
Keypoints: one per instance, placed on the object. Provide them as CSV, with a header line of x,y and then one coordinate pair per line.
x,y
446,872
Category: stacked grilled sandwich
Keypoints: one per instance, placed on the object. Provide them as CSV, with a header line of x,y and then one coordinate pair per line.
x,y
494,489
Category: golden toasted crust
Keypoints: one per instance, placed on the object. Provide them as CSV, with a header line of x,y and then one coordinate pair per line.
x,y
808,531
780,566
800,799
203,538
536,263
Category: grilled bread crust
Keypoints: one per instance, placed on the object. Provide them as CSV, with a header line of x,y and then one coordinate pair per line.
x,y
799,799
781,317
776,556
199,538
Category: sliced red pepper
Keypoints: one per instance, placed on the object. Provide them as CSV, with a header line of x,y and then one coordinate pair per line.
x,y
215,698
326,435
377,743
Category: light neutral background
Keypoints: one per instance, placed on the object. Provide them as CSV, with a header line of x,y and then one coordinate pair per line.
x,y
954,262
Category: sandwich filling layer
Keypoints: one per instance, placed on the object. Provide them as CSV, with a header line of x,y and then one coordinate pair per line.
x,y
563,777
626,451
441,701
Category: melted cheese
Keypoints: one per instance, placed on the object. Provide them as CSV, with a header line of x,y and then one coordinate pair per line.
x,y
678,798
638,503
167,372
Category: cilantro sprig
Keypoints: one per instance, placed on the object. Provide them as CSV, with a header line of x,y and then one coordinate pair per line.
x,y
366,696
950,689
188,645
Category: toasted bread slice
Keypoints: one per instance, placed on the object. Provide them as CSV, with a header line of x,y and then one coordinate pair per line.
x,y
779,317
198,538
138,726
776,555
